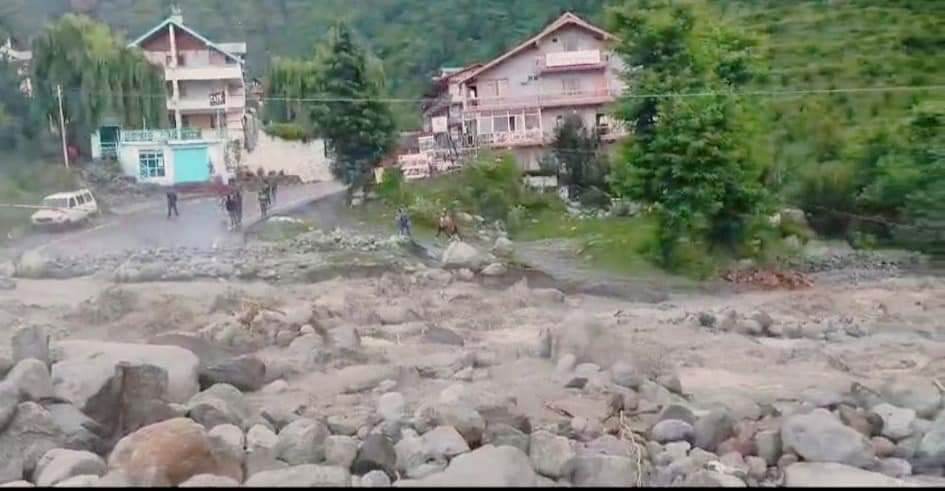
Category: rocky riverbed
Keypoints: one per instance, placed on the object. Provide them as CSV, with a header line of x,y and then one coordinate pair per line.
x,y
334,359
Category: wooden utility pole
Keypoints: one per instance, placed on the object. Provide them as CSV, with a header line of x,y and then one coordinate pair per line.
x,y
62,127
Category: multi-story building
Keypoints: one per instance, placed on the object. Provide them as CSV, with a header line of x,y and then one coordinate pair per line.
x,y
515,101
21,59
206,108
205,87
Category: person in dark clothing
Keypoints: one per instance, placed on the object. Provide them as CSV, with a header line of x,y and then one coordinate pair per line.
x,y
272,191
172,203
238,207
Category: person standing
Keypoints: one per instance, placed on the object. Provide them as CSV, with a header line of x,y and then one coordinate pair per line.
x,y
272,191
238,207
229,204
172,203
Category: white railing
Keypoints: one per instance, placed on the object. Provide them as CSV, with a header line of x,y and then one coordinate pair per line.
x,y
205,72
599,95
571,58
171,134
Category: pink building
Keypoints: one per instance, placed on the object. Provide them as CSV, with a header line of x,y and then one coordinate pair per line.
x,y
516,100
205,85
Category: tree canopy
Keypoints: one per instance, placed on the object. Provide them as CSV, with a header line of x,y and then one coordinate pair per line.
x,y
99,75
688,157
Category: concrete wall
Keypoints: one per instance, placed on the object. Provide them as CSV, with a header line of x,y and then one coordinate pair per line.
x,y
306,160
128,158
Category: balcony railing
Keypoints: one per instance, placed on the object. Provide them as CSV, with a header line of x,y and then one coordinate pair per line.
x,y
571,60
601,95
171,134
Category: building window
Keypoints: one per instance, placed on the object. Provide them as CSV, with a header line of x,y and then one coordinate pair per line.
x,y
151,164
512,123
570,86
500,124
485,126
570,42
531,121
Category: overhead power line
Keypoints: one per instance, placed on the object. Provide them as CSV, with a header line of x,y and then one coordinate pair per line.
x,y
529,99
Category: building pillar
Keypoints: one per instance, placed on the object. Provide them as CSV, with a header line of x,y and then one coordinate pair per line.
x,y
175,96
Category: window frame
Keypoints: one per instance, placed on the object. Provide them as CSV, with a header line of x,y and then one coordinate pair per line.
x,y
151,164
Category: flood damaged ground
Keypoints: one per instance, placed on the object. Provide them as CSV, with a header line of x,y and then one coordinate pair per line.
x,y
693,382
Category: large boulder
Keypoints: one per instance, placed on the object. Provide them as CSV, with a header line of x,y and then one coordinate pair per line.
x,y
262,450
246,373
414,460
467,421
181,365
671,430
303,441
229,440
60,464
31,378
820,437
169,453
444,441
503,247
602,471
9,399
301,476
376,453
916,393
834,475
462,255
31,341
219,404
81,432
549,453
897,421
712,429
32,264
92,385
209,481
142,402
30,434
487,466
340,450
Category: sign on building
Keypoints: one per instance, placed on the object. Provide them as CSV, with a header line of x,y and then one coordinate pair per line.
x,y
439,124
218,98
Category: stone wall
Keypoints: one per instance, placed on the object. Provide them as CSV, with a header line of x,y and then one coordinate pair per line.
x,y
304,159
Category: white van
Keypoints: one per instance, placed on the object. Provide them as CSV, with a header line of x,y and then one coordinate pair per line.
x,y
70,208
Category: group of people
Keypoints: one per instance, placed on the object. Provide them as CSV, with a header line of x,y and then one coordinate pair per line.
x,y
232,201
446,225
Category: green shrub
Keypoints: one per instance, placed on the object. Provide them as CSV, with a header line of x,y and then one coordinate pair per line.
x,y
595,198
392,188
287,131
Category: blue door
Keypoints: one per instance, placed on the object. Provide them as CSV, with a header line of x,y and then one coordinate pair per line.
x,y
191,164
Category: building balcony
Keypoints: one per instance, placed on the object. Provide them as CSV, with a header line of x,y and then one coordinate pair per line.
x,y
204,72
208,103
603,95
172,135
567,61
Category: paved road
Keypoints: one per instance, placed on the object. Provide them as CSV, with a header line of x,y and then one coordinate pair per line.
x,y
201,224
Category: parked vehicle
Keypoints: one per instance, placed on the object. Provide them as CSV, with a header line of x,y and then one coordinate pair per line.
x,y
66,209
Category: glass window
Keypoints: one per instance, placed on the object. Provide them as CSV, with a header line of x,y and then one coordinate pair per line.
x,y
500,124
531,121
512,124
570,85
71,202
80,199
151,164
485,126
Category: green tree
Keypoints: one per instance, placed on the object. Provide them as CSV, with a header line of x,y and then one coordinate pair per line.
x,y
16,120
356,125
577,152
688,156
99,77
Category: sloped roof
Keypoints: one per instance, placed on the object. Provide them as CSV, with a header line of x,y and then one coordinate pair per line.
x,y
566,19
186,29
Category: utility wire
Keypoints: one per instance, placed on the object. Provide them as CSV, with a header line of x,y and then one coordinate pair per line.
x,y
535,99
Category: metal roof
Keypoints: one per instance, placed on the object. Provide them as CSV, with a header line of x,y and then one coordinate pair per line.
x,y
188,30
